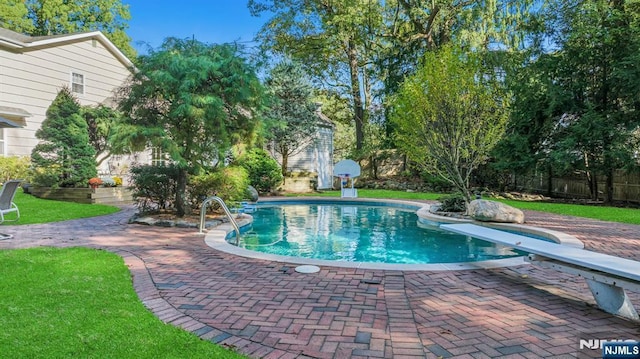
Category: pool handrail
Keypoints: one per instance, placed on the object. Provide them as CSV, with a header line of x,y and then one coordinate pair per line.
x,y
224,207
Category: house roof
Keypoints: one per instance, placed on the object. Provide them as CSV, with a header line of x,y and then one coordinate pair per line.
x,y
323,120
21,43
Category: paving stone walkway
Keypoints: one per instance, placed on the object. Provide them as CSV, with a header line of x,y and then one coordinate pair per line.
x,y
267,310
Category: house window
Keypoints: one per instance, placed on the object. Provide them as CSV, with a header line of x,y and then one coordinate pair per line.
x,y
158,157
77,83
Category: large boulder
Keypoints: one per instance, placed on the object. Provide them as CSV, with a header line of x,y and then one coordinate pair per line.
x,y
253,194
491,211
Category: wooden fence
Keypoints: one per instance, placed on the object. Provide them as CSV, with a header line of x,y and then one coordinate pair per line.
x,y
626,186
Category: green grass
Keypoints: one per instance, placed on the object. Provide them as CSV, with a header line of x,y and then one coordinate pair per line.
x,y
37,210
79,302
605,213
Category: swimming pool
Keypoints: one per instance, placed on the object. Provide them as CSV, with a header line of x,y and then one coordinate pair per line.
x,y
358,231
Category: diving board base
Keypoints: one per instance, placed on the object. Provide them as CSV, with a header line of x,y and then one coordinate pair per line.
x,y
608,290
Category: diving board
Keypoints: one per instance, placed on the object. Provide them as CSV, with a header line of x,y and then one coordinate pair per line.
x,y
606,275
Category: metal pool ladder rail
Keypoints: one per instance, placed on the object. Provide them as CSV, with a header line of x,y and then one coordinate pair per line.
x,y
203,210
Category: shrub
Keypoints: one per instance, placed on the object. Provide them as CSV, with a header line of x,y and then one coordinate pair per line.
x,y
14,167
453,203
264,172
64,144
154,187
108,181
117,180
229,183
46,176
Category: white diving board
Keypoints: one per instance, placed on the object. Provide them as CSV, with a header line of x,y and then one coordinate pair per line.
x,y
606,275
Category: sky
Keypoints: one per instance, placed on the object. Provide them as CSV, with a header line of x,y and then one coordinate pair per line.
x,y
213,21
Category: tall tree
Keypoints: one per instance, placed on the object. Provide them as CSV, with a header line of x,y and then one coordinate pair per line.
x,y
191,100
364,48
55,17
332,39
450,114
291,120
586,79
63,157
597,70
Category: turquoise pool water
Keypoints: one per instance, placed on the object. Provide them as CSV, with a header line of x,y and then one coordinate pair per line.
x,y
360,233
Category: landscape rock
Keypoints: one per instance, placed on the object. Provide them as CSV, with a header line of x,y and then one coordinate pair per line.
x,y
253,194
491,211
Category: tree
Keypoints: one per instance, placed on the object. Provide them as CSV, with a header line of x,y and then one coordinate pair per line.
x,y
332,39
64,157
54,17
597,80
191,100
449,115
362,49
576,99
102,122
291,120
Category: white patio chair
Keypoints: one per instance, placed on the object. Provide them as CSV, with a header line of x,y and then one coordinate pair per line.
x,y
7,206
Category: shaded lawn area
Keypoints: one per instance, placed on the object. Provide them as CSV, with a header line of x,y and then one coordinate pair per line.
x,y
79,302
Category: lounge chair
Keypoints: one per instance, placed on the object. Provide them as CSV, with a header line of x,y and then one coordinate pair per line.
x,y
7,206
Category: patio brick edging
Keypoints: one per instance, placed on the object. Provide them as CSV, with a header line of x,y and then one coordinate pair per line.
x,y
150,296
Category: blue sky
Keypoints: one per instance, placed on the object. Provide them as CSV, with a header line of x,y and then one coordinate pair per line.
x,y
214,21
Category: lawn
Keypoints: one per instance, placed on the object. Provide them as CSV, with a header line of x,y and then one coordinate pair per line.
x,y
79,302
37,210
605,213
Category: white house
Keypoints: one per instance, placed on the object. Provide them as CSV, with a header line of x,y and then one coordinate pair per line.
x,y
34,69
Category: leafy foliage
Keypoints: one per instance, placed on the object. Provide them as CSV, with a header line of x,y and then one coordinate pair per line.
x,y
192,101
449,115
290,121
63,157
575,108
55,17
14,167
332,40
362,50
229,183
102,122
264,173
453,203
154,187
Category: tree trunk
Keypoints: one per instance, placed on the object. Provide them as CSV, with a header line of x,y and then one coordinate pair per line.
x,y
550,181
285,164
358,111
609,186
181,193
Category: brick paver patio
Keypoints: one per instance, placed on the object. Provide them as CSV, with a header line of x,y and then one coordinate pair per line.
x,y
267,310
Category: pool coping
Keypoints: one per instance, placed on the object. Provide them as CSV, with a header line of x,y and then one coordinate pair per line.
x,y
216,238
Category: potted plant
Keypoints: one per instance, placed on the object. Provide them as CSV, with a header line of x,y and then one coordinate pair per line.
x,y
95,182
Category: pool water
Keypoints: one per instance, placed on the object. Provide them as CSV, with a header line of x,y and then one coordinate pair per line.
x,y
358,233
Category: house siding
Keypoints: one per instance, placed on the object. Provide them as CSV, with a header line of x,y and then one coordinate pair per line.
x,y
316,157
31,79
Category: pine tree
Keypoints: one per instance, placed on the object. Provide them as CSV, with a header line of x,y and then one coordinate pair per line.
x,y
291,119
64,156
